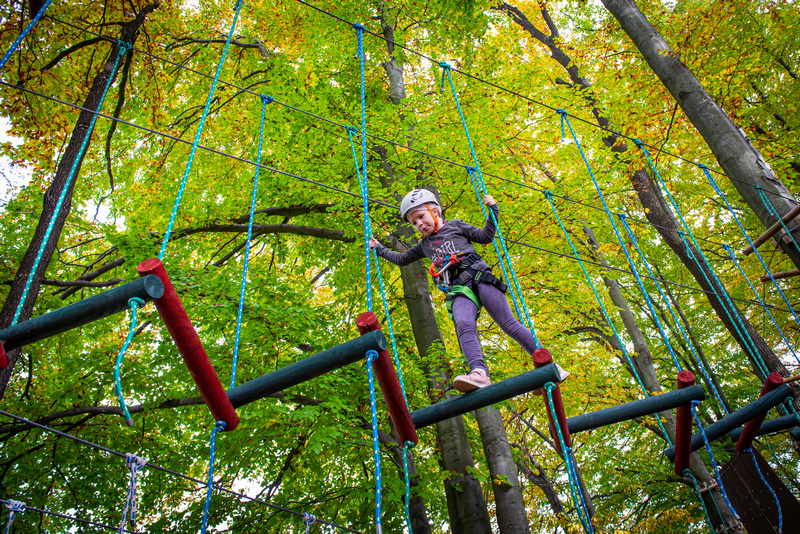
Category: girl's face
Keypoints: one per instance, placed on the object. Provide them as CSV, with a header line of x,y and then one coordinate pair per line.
x,y
423,221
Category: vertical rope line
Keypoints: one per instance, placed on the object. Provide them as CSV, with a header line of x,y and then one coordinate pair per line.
x,y
372,355
24,33
122,49
220,425
718,287
664,298
569,459
696,486
746,235
763,305
406,446
14,507
134,463
774,496
308,520
514,287
711,457
197,135
133,303
477,171
362,176
264,101
549,196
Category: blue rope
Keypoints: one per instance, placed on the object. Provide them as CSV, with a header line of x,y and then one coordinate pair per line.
x,y
122,49
24,33
774,496
763,305
628,229
264,101
727,305
362,176
372,355
406,446
696,486
308,520
134,463
133,303
14,507
475,173
210,485
549,196
711,457
569,462
747,236
196,142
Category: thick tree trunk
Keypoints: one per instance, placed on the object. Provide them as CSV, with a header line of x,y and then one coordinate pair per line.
x,y
71,157
743,164
510,505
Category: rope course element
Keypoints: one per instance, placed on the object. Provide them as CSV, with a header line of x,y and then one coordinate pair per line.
x,y
569,462
134,463
64,516
696,487
308,520
774,496
475,175
220,425
24,33
134,303
199,132
14,507
156,467
264,101
371,356
362,175
122,49
406,446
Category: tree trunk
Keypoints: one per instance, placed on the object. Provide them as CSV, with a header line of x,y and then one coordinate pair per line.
x,y
743,164
71,157
511,517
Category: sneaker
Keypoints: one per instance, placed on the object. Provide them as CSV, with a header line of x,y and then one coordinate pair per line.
x,y
474,380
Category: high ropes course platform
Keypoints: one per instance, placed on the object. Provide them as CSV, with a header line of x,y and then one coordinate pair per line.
x,y
372,346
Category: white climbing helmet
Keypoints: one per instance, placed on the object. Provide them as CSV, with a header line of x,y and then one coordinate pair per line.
x,y
415,199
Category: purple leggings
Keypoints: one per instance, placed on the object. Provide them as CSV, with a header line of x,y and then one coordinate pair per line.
x,y
465,316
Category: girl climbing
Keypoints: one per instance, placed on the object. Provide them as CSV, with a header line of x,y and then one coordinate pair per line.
x,y
468,280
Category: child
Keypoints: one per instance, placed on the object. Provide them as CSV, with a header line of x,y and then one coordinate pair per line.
x,y
448,244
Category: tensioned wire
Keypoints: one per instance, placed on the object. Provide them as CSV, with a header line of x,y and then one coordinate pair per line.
x,y
72,518
350,193
372,136
157,467
506,90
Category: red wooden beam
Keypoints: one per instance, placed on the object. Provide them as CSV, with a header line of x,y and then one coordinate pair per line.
x,y
683,427
3,357
194,355
542,357
751,428
390,385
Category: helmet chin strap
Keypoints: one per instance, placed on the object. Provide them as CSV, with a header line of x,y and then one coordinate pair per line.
x,y
434,217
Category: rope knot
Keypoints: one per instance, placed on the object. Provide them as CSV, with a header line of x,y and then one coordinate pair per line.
x,y
351,130
15,506
445,65
548,194
358,27
561,111
124,47
757,187
372,355
695,403
622,216
220,425
134,302
266,99
471,170
702,166
308,520
638,143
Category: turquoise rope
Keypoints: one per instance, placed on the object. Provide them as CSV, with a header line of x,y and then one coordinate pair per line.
x,y
569,462
733,316
747,236
514,287
549,196
694,405
688,473
122,49
763,305
264,101
362,176
210,485
622,218
199,132
406,446
24,33
774,496
133,303
477,171
372,355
